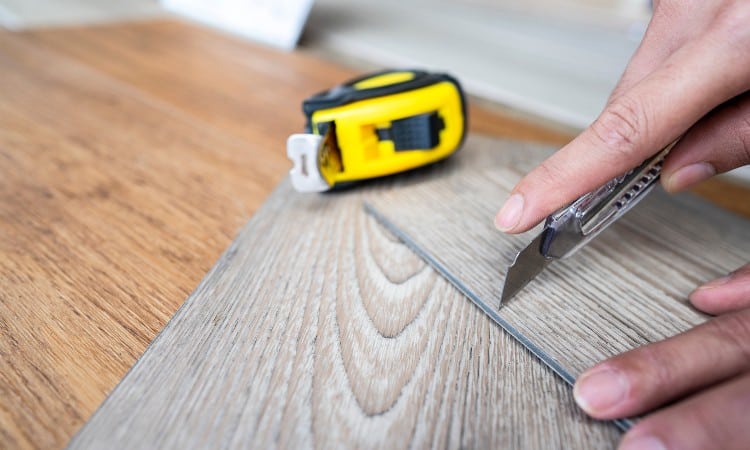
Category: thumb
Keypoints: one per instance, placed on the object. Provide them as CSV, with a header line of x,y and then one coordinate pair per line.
x,y
717,143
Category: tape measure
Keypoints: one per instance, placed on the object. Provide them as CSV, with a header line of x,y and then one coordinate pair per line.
x,y
376,125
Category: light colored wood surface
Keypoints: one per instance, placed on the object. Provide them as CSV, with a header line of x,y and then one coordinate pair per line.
x,y
626,288
318,329
131,155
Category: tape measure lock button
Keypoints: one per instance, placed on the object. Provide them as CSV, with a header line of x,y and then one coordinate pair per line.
x,y
420,132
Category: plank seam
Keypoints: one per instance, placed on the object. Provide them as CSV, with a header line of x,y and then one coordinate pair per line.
x,y
622,424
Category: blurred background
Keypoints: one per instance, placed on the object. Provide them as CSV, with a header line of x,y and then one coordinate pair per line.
x,y
553,61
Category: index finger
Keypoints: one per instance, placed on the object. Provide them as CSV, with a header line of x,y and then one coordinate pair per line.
x,y
647,377
634,126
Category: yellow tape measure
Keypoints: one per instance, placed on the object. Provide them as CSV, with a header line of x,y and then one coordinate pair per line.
x,y
380,124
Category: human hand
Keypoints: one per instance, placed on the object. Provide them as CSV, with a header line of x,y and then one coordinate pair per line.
x,y
690,76
700,378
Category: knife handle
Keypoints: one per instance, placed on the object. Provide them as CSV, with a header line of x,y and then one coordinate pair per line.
x,y
575,225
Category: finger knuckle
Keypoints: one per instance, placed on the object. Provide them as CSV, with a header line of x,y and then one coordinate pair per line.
x,y
621,127
661,364
734,330
550,172
546,178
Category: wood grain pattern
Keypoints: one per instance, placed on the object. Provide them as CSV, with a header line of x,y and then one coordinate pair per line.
x,y
108,214
317,328
627,288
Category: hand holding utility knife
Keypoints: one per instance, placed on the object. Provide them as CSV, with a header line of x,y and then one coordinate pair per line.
x,y
573,226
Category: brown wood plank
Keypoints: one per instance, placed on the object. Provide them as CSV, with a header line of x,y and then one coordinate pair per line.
x,y
728,194
627,288
318,329
109,216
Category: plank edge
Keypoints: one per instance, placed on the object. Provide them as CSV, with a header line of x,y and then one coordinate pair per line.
x,y
622,424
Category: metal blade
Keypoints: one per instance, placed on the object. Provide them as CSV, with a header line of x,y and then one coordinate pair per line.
x,y
528,264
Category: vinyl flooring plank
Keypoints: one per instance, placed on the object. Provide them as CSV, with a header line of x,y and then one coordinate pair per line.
x,y
627,288
317,328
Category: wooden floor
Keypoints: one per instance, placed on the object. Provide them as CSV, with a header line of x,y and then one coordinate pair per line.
x,y
131,156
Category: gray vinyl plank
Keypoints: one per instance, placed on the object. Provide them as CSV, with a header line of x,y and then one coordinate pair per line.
x,y
629,287
318,328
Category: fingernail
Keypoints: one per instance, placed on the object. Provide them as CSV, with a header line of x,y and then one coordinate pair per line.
x,y
643,443
690,175
715,283
600,390
510,213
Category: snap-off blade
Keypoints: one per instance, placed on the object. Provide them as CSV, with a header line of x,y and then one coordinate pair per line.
x,y
528,264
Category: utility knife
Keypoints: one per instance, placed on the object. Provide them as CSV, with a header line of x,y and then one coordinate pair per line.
x,y
575,225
